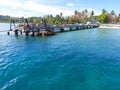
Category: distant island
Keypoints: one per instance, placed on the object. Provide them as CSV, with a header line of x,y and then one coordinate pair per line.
x,y
78,17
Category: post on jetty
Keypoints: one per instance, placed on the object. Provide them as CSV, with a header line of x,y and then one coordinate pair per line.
x,y
12,23
21,32
45,27
33,33
16,32
8,33
26,27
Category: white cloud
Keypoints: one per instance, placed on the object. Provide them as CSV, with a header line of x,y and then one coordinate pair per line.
x,y
70,4
11,3
33,8
47,9
30,8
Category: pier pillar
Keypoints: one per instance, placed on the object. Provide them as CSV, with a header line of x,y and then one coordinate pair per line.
x,y
77,28
16,32
80,28
43,33
26,34
38,32
8,33
33,33
86,26
70,29
21,32
61,29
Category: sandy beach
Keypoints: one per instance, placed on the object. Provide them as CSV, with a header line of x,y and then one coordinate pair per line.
x,y
109,26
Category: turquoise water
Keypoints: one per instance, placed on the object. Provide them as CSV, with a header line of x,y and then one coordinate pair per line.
x,y
4,26
77,60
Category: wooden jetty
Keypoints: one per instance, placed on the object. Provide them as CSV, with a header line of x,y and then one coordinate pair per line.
x,y
46,29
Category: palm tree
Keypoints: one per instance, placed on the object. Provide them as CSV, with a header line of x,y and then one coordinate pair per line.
x,y
61,14
104,11
92,13
112,12
86,11
76,12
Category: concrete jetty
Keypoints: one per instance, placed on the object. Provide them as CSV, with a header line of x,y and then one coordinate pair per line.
x,y
43,28
39,30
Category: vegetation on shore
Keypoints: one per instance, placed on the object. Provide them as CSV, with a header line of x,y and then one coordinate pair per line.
x,y
109,17
78,17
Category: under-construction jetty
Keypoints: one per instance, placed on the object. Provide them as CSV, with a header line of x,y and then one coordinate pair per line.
x,y
43,28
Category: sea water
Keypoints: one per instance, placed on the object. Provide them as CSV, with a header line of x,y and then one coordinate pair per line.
x,y
77,60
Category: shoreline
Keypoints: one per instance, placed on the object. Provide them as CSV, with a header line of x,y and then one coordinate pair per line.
x,y
109,26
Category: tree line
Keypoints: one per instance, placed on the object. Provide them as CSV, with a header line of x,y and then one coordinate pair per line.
x,y
109,17
78,17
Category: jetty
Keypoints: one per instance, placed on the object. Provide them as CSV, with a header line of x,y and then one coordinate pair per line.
x,y
44,29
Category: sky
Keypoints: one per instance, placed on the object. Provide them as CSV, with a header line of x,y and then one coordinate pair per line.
x,y
28,8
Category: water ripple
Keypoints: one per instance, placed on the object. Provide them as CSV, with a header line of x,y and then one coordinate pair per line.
x,y
81,60
11,82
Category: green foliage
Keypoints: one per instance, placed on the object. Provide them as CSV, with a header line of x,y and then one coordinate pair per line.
x,y
36,21
5,18
57,23
78,17
103,18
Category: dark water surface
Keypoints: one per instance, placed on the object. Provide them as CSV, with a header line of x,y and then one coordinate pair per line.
x,y
77,60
